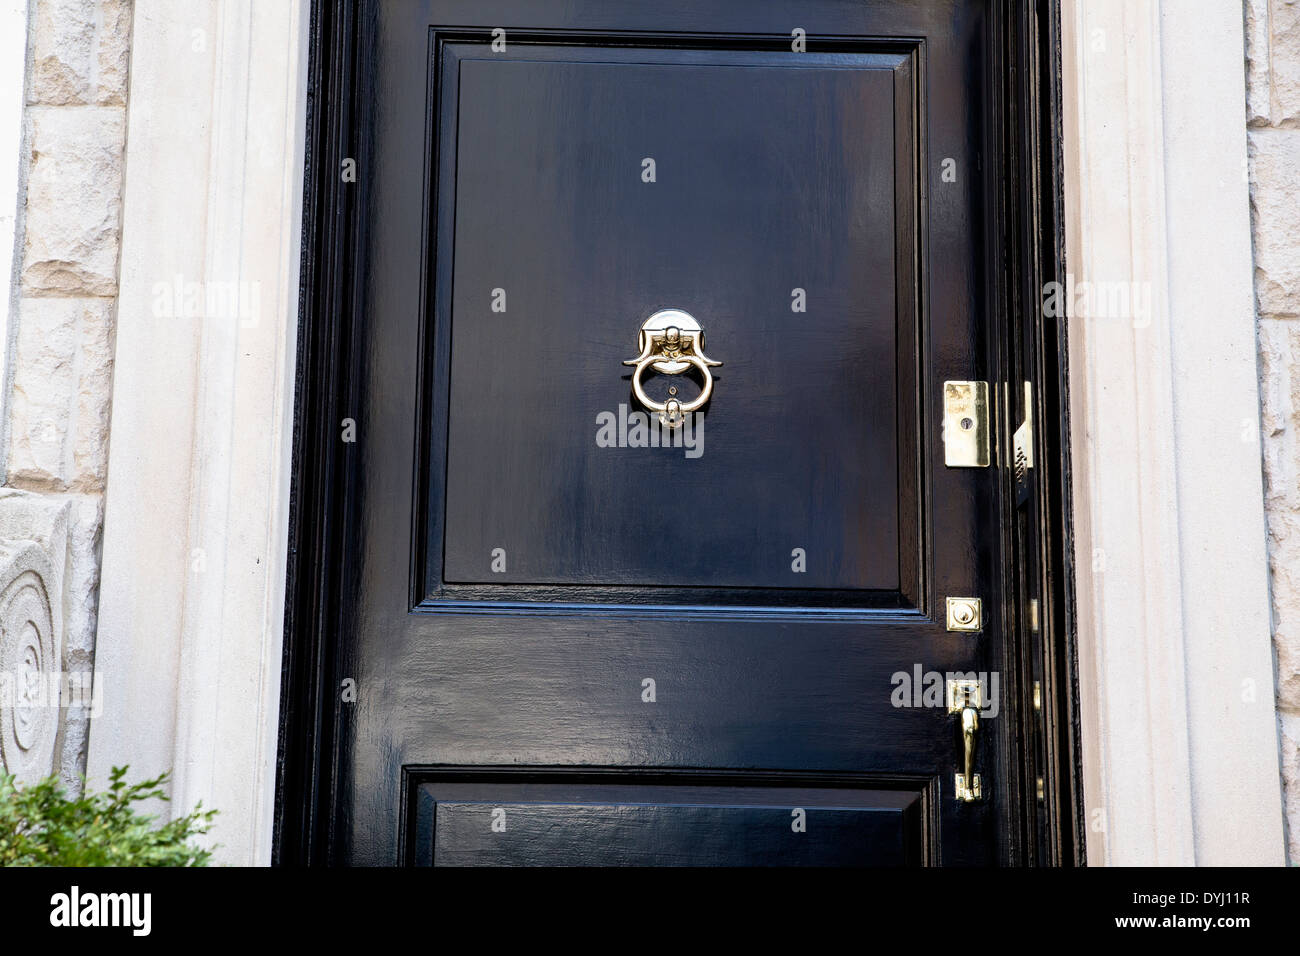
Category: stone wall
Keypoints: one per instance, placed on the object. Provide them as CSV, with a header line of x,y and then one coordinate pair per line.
x,y
59,368
1273,121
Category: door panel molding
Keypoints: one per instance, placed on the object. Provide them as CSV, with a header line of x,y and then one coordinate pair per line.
x,y
449,48
913,801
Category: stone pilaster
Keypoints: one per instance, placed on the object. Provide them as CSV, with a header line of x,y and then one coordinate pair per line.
x,y
61,366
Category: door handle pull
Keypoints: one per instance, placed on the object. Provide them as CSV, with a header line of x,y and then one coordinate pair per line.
x,y
964,701
671,342
970,722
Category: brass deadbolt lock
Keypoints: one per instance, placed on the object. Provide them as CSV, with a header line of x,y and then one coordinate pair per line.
x,y
965,614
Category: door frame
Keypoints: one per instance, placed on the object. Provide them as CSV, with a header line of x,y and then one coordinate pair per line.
x,y
1044,823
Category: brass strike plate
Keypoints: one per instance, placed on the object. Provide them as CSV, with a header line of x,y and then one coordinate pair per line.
x,y
964,795
1022,448
965,614
966,424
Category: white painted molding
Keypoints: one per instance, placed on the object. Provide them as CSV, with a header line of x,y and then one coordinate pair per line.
x,y
13,76
196,523
1176,678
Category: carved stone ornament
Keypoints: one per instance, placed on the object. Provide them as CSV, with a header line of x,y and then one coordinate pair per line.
x,y
30,685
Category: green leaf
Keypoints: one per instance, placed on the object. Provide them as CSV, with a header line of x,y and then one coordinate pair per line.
x,y
40,825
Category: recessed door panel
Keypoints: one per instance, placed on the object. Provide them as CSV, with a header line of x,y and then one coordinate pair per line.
x,y
577,824
757,191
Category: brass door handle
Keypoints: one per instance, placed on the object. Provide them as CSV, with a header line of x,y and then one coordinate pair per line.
x,y
964,701
671,342
970,722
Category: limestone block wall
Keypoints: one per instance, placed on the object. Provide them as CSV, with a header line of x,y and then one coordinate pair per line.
x,y
58,370
1273,131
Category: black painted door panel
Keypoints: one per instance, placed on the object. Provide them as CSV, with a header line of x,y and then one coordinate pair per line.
x,y
756,194
527,602
648,825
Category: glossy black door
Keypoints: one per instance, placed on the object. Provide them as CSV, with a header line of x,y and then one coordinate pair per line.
x,y
554,644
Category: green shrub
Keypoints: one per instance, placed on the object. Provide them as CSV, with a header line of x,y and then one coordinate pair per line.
x,y
41,826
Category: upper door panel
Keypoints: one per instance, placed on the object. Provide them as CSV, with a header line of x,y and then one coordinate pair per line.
x,y
773,196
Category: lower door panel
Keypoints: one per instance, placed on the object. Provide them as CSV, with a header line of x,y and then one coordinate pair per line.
x,y
581,823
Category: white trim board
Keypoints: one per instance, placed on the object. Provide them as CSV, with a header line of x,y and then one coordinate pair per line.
x,y
196,521
1180,745
13,190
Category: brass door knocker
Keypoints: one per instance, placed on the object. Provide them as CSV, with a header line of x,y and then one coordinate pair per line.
x,y
671,341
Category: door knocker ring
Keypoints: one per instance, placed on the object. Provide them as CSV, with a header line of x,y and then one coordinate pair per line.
x,y
671,342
